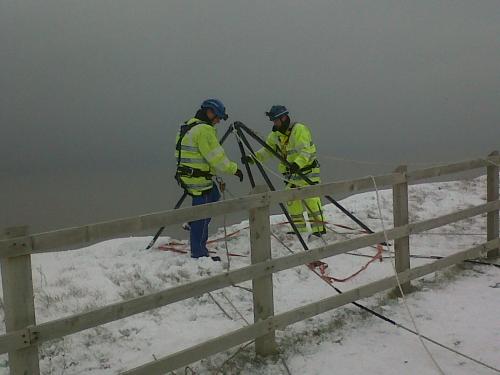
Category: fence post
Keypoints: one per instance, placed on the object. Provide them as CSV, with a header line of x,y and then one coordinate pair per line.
x,y
400,215
492,195
260,244
19,305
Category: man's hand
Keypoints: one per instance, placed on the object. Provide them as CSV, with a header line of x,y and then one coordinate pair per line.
x,y
247,159
239,174
294,168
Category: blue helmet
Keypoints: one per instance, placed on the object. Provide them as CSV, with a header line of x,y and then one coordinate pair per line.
x,y
217,106
276,111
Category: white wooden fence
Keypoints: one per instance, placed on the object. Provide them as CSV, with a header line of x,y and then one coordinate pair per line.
x,y
24,335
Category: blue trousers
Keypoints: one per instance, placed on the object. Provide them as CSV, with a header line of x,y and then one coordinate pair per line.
x,y
199,228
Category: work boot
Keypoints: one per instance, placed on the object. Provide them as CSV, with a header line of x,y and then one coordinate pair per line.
x,y
319,234
216,258
186,226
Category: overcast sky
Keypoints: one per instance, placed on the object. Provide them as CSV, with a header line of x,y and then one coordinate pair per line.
x,y
93,84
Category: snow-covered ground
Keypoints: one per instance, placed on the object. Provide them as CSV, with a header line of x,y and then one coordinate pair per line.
x,y
458,307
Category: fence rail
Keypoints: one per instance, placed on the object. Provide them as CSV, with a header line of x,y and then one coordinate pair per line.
x,y
67,238
23,336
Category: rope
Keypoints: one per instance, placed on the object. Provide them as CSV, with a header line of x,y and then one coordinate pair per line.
x,y
235,309
322,267
219,306
390,320
241,348
222,186
430,164
285,366
231,318
440,370
408,309
336,158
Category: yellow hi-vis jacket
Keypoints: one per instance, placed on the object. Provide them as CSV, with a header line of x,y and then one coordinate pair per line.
x,y
200,150
296,146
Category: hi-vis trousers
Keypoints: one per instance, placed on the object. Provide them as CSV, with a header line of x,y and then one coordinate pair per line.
x,y
313,208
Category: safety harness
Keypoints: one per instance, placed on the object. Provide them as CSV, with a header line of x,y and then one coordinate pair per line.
x,y
184,170
304,170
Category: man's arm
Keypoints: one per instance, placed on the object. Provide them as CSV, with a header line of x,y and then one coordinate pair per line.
x,y
213,152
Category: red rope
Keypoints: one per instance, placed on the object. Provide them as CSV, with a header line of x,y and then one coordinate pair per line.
x,y
321,266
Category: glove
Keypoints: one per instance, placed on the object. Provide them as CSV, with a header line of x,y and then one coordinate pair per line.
x,y
247,159
294,168
239,174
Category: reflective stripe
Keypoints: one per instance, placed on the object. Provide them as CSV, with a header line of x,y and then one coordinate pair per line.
x,y
300,148
189,148
223,164
315,213
279,114
193,160
199,186
306,153
300,225
300,216
214,153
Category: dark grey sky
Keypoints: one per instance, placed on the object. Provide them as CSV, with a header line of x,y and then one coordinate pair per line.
x,y
93,91
104,84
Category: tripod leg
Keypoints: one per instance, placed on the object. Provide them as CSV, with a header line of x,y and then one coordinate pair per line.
x,y
271,186
250,132
184,195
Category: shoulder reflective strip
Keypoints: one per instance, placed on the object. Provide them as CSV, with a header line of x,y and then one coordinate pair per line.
x,y
193,160
188,139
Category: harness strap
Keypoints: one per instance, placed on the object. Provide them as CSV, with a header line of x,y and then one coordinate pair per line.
x,y
306,169
183,170
184,129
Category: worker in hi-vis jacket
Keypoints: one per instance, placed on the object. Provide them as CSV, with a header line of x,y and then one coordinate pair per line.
x,y
199,157
293,141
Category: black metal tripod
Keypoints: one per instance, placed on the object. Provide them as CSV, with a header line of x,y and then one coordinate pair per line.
x,y
240,126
